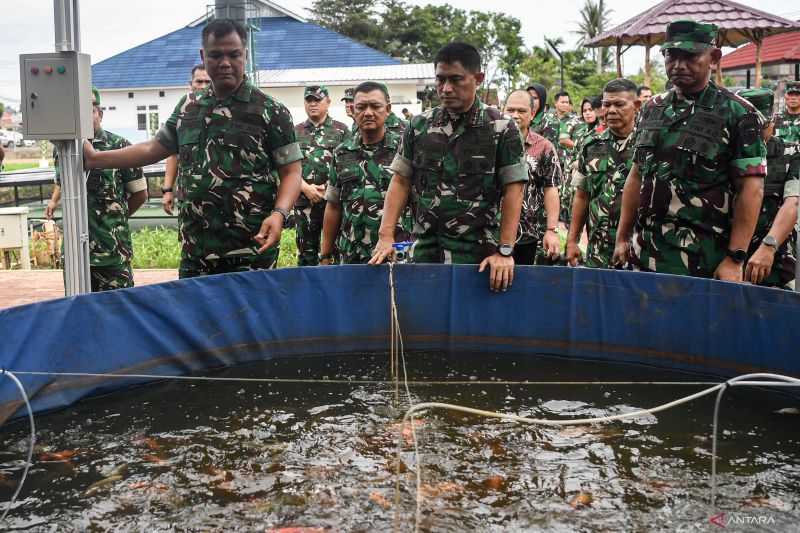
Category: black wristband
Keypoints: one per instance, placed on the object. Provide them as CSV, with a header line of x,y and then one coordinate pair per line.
x,y
283,213
165,190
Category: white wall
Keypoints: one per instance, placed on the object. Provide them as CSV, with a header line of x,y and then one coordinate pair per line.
x,y
120,115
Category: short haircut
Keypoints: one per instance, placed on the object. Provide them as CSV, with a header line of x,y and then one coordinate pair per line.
x,y
196,68
222,27
368,87
559,94
643,88
404,110
464,53
597,102
620,85
524,91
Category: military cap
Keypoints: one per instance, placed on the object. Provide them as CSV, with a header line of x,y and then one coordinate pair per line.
x,y
792,87
95,96
690,35
762,99
348,94
317,92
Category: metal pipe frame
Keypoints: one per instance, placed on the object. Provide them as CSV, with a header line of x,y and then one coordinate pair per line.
x,y
66,18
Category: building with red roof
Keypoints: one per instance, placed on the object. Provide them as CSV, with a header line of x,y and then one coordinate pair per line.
x,y
780,60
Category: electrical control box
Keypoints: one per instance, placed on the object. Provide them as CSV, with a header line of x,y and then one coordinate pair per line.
x,y
56,96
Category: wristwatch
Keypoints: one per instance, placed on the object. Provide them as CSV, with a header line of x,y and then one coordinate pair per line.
x,y
554,228
165,190
737,255
769,240
323,257
283,213
505,249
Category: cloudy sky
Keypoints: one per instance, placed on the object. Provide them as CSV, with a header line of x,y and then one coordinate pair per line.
x,y
113,26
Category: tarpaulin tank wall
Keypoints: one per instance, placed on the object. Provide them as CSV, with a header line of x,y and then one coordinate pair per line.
x,y
184,326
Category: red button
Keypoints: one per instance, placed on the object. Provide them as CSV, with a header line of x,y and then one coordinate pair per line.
x,y
34,70
48,69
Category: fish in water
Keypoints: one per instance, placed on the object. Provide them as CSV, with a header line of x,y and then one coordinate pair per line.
x,y
97,485
493,482
62,456
446,490
380,500
150,443
582,500
788,411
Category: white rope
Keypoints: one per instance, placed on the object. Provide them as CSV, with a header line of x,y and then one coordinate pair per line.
x,y
30,448
744,380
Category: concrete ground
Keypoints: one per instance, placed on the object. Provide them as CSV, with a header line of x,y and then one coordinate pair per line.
x,y
19,287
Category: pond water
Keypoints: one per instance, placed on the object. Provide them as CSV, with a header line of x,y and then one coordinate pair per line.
x,y
225,456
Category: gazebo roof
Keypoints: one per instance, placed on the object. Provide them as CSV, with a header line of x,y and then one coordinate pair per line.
x,y
737,23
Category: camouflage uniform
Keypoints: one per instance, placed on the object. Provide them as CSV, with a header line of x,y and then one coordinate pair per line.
x,y
787,126
604,161
317,143
227,152
110,246
459,165
359,179
396,124
782,181
689,151
544,171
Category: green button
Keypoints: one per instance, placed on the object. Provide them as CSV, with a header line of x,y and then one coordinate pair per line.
x,y
61,69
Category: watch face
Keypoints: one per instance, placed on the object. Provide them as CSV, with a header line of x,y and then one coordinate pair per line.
x,y
505,250
769,240
737,255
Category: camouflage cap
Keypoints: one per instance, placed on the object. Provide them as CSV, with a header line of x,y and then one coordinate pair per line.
x,y
762,99
95,96
690,35
317,92
348,94
792,87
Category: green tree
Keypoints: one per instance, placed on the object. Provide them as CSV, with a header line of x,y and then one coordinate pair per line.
x,y
356,19
594,21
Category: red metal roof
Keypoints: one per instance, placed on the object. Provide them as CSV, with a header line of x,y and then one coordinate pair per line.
x,y
735,21
781,48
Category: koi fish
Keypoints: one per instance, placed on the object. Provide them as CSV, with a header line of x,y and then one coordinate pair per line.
x,y
97,485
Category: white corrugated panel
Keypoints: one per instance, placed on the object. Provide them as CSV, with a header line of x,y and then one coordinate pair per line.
x,y
422,73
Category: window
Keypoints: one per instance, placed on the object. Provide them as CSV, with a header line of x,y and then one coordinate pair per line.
x,y
112,108
142,118
141,108
153,108
161,94
130,95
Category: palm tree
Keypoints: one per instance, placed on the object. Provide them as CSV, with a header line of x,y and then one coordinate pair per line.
x,y
594,20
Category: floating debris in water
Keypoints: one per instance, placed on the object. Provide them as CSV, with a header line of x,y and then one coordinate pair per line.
x,y
788,411
103,483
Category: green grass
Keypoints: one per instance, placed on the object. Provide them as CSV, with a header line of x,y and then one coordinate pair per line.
x,y
7,167
159,248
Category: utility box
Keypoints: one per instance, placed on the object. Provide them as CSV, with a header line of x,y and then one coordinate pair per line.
x,y
56,96
14,235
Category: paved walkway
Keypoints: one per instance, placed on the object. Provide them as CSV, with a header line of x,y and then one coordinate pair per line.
x,y
19,287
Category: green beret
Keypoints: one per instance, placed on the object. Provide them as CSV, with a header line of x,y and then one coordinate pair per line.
x,y
349,94
792,87
95,96
317,92
762,99
690,35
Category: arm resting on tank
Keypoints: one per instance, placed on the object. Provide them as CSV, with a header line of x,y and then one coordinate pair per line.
x,y
627,217
393,206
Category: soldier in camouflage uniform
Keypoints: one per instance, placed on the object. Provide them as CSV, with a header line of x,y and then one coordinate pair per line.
x,y
771,257
348,108
112,196
318,136
230,137
537,239
359,179
461,158
604,161
699,169
787,125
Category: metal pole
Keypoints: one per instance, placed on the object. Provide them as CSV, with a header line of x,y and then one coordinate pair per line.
x,y
75,220
560,58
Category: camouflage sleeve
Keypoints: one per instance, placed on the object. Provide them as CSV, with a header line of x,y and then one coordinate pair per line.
x,y
333,190
792,185
57,167
167,136
405,152
279,135
564,129
749,156
510,162
579,176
